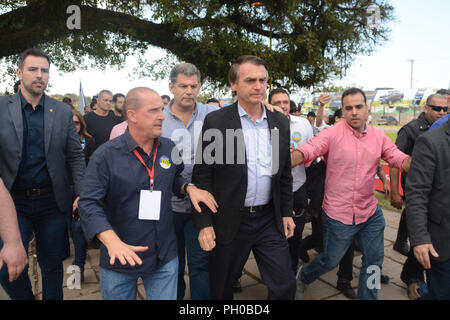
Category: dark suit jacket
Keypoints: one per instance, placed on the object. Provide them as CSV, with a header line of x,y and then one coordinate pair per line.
x,y
428,191
228,181
62,146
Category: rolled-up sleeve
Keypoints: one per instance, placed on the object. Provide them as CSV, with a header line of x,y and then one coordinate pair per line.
x,y
315,147
391,154
91,204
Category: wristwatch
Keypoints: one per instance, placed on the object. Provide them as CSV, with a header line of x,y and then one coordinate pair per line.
x,y
187,185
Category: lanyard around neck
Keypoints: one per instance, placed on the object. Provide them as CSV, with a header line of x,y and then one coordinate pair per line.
x,y
151,173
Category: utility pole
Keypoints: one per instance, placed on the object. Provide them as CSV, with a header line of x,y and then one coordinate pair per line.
x,y
412,69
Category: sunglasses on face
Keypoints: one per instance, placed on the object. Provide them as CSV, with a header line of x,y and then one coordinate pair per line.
x,y
77,123
438,108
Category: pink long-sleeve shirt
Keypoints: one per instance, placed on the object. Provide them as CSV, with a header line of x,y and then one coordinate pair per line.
x,y
352,164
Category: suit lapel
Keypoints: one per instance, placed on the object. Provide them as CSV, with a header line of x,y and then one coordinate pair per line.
x,y
49,116
15,110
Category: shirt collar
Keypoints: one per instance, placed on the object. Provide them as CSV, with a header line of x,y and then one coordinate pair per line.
x,y
131,144
24,102
243,113
353,130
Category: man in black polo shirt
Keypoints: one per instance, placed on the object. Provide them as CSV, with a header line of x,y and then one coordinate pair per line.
x,y
100,122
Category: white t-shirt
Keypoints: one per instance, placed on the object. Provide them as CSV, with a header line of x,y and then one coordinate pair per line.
x,y
301,132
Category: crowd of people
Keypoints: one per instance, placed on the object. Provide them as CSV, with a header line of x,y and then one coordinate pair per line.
x,y
159,184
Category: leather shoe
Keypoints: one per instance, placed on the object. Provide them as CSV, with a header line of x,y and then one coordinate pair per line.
x,y
346,289
402,247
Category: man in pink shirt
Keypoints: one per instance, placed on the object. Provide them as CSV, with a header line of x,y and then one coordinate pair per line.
x,y
352,150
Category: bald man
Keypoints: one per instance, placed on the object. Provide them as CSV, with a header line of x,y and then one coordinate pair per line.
x,y
126,204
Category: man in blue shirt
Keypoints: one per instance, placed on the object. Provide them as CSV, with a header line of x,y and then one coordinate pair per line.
x,y
183,123
126,203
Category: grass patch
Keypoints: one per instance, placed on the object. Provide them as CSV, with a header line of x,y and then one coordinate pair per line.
x,y
392,136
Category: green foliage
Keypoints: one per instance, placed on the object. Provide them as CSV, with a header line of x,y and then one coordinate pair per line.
x,y
305,42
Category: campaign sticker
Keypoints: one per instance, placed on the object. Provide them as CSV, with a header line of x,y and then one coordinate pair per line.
x,y
165,162
296,137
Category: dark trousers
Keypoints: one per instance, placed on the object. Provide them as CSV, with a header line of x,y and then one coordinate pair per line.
x,y
345,272
79,242
438,281
41,216
295,242
258,233
412,269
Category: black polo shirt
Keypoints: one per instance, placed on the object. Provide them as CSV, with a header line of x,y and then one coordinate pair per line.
x,y
33,172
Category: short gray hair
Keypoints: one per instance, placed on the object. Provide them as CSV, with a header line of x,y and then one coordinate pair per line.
x,y
185,68
105,91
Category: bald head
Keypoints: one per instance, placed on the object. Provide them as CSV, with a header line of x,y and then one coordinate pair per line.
x,y
136,96
144,108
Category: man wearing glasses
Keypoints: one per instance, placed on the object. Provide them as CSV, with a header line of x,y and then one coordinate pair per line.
x,y
436,107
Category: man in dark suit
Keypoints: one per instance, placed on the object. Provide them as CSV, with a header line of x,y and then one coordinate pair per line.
x,y
38,143
250,177
428,208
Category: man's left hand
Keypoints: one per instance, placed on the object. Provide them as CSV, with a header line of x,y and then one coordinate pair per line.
x,y
422,253
198,195
406,164
75,204
387,190
289,227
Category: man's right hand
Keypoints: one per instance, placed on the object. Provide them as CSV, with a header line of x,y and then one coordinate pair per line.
x,y
15,257
324,98
207,238
396,199
120,250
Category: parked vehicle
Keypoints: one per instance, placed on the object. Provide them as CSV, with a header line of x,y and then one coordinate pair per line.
x,y
386,120
391,97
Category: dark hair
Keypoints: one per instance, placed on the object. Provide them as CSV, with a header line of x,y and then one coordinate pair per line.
x,y
35,52
277,91
352,91
165,96
68,101
93,102
233,74
213,100
294,107
83,130
16,86
443,91
311,114
337,114
117,95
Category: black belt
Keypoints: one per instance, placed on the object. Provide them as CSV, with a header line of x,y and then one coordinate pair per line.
x,y
254,209
32,192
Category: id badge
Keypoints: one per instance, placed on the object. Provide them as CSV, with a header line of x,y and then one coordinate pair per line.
x,y
149,205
